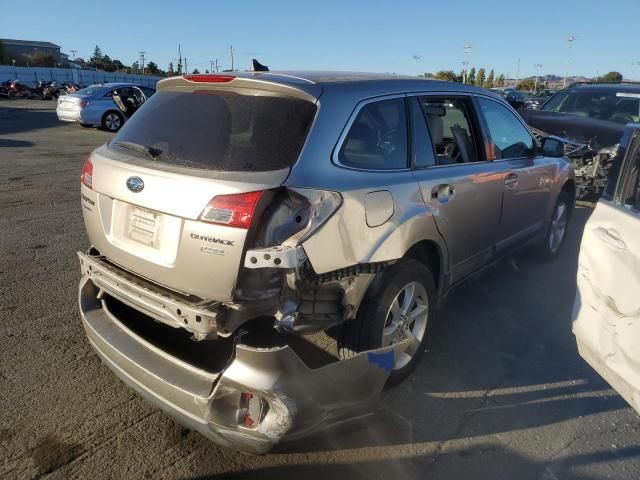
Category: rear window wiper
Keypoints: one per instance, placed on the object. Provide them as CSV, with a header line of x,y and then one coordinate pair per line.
x,y
136,147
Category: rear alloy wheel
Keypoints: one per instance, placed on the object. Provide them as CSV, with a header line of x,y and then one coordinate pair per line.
x,y
396,308
407,319
112,121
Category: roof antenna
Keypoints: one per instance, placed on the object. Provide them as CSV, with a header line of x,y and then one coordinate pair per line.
x,y
256,66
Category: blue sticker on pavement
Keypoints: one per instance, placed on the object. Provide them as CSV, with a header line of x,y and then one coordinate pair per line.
x,y
383,360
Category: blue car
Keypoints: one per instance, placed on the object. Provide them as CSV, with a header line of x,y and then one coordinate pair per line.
x,y
95,105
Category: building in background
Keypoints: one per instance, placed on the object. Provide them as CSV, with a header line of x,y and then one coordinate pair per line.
x,y
22,51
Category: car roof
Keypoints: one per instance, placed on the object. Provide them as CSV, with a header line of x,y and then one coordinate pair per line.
x,y
359,83
618,87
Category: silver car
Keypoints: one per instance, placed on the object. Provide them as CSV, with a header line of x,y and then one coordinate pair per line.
x,y
302,229
93,106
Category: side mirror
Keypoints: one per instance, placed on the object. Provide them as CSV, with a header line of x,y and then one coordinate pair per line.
x,y
552,147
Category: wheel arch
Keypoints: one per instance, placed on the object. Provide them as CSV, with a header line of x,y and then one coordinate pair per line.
x,y
430,253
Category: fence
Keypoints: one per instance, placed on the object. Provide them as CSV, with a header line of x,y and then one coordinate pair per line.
x,y
82,77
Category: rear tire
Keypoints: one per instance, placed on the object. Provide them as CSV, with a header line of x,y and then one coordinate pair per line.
x,y
112,121
556,233
398,305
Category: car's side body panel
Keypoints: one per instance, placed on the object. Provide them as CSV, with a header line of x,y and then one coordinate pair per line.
x,y
607,307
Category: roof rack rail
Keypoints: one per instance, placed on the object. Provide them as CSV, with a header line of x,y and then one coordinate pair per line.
x,y
595,82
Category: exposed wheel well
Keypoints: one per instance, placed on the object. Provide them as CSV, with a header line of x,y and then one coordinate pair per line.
x,y
428,252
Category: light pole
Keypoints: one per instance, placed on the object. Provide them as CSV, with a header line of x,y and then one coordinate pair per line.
x,y
570,40
416,57
467,51
537,66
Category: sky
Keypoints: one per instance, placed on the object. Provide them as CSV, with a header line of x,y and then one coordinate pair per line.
x,y
348,35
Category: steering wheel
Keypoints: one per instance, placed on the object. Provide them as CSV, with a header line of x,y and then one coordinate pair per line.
x,y
622,118
387,142
452,151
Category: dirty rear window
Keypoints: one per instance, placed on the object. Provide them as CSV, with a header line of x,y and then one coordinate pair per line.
x,y
215,130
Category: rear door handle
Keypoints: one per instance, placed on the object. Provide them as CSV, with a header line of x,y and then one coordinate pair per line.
x,y
511,180
443,193
611,237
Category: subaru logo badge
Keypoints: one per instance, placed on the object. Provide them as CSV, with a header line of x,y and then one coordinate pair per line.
x,y
135,184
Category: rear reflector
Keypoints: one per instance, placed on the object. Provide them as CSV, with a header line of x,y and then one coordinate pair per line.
x,y
235,210
209,78
87,173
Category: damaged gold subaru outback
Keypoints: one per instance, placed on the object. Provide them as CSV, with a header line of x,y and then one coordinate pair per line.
x,y
268,249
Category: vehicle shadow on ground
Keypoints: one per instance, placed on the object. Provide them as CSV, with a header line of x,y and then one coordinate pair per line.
x,y
500,357
18,120
8,143
487,460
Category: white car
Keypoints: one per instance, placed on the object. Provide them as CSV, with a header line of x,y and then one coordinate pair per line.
x,y
606,316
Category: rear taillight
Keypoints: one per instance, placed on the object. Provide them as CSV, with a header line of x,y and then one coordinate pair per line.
x,y
87,173
235,210
209,78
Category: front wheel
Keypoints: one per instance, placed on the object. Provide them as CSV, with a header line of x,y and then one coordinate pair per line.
x,y
558,227
112,121
396,308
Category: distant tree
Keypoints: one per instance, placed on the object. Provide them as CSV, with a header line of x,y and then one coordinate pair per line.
x,y
428,75
40,59
460,76
488,83
170,70
134,68
480,79
501,80
152,68
206,71
3,54
611,77
195,71
447,75
471,77
526,84
97,54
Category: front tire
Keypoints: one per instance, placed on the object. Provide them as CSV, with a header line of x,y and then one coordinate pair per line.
x,y
556,233
112,121
397,306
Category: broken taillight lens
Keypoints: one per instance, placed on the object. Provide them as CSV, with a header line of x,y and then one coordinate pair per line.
x,y
251,410
235,210
87,173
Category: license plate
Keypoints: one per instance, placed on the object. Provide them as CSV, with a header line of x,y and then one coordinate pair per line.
x,y
144,226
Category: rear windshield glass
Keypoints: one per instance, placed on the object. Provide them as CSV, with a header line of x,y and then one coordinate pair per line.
x,y
215,130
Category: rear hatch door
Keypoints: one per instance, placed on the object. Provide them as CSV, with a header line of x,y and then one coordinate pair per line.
x,y
172,197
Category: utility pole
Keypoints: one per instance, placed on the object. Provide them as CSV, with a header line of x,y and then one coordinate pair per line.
x,y
570,40
179,60
467,51
211,66
517,74
186,66
216,65
231,49
416,57
142,60
73,52
537,66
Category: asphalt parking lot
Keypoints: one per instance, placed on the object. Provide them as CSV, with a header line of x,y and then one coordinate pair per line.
x,y
501,392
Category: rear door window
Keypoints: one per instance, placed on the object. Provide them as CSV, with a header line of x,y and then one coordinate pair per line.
x,y
217,130
377,139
